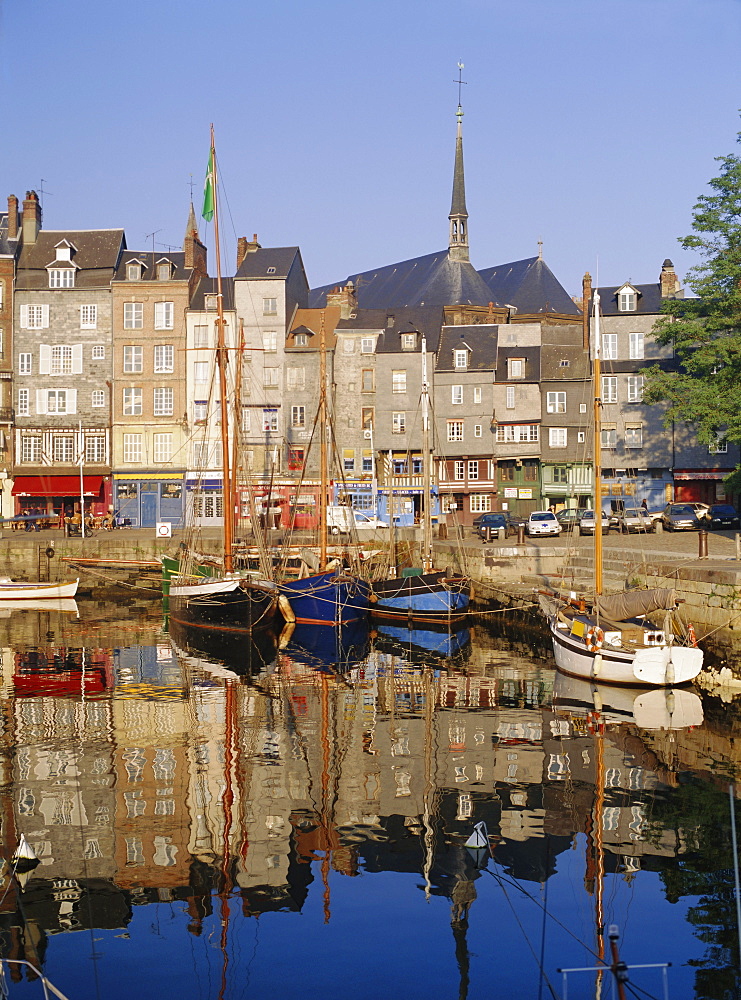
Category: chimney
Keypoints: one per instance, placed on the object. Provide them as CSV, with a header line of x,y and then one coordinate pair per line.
x,y
31,217
345,298
245,246
12,217
668,280
586,301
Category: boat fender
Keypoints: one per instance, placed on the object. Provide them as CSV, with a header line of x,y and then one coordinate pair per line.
x,y
471,593
594,639
597,665
50,552
373,597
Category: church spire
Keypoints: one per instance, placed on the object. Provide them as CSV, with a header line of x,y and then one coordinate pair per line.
x,y
191,228
458,239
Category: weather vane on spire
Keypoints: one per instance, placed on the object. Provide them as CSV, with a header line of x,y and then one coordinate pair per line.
x,y
461,83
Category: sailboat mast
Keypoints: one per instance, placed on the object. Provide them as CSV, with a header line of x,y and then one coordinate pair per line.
x,y
426,481
597,449
221,360
323,476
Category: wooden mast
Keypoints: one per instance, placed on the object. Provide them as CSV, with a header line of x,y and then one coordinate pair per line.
x,y
597,450
426,480
323,477
222,360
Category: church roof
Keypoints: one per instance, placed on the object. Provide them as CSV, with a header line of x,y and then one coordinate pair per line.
x,y
431,280
530,286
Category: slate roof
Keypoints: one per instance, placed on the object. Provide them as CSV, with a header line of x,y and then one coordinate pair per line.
x,y
431,280
530,286
96,256
552,368
150,261
481,339
425,320
649,299
207,286
258,263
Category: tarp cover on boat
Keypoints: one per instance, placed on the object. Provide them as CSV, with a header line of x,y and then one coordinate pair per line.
x,y
631,603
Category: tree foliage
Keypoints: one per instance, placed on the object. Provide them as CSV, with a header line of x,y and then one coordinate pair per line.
x,y
705,331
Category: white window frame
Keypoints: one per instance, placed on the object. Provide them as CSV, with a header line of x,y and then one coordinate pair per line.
x,y
63,448
25,364
200,335
98,352
460,358
609,438
634,435
133,271
556,402
98,398
516,368
398,422
34,317
164,358
133,448
627,300
61,277
270,378
95,448
609,389
162,447
164,315
456,395
368,345
523,433
58,401
270,421
635,388
479,503
609,346
133,315
298,417
456,430
200,372
269,305
132,401
408,341
31,448
60,359
558,437
637,346
477,430
270,341
473,469
459,471
295,378
399,380
477,395
89,317
133,359
24,406
510,397
164,401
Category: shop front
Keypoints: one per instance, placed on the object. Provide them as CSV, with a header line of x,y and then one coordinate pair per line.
x,y
700,486
145,501
60,496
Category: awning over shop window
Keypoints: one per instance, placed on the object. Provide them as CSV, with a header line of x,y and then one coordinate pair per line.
x,y
56,486
701,475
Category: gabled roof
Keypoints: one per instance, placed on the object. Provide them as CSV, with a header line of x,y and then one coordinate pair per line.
x,y
481,340
552,367
309,321
270,262
208,286
431,280
530,286
98,252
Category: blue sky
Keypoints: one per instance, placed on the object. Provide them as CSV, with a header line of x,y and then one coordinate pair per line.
x,y
592,125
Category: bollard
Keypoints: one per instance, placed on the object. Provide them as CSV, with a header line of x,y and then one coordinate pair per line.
x,y
702,544
658,526
501,533
442,531
520,534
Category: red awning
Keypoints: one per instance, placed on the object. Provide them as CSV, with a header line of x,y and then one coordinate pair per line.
x,y
701,475
56,486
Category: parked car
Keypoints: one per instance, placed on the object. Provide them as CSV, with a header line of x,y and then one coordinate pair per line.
x,y
514,521
699,508
569,517
679,517
500,519
588,523
543,522
720,515
368,522
633,519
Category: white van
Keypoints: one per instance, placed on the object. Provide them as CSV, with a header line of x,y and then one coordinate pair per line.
x,y
340,520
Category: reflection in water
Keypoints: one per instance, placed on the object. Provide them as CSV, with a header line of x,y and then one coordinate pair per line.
x,y
331,777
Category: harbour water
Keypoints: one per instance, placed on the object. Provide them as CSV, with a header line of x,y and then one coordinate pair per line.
x,y
293,823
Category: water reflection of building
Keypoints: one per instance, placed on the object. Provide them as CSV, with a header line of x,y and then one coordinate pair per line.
x,y
184,779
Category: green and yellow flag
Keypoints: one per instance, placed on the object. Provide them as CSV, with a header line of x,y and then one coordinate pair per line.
x,y
208,189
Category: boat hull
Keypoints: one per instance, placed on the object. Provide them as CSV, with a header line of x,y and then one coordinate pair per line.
x,y
650,666
430,598
657,708
13,591
231,606
328,599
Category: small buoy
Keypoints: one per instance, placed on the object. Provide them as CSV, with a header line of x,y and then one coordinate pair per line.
x,y
479,837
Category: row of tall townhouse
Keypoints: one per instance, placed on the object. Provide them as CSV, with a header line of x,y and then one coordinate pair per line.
x,y
107,370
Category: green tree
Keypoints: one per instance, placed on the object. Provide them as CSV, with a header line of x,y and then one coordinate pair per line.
x,y
705,331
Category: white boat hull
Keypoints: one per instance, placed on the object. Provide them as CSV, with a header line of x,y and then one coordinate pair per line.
x,y
657,708
651,666
205,588
11,590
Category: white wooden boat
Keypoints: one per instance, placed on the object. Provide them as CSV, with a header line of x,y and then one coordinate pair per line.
x,y
15,590
610,638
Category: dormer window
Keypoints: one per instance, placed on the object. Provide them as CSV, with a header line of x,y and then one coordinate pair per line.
x,y
209,301
516,368
61,277
133,272
300,340
164,270
271,270
408,341
64,253
460,358
627,299
367,345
